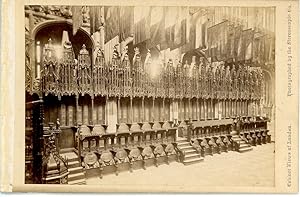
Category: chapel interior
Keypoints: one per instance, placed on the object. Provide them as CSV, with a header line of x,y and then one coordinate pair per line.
x,y
114,88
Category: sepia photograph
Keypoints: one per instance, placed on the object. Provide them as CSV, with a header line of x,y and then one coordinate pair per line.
x,y
171,95
149,96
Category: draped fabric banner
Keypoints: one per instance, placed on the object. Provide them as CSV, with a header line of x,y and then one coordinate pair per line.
x,y
96,19
224,39
157,28
109,48
213,42
112,22
191,32
180,27
76,18
230,42
237,42
126,22
142,17
248,40
245,44
269,48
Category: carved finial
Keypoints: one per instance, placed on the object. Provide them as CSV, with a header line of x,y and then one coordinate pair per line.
x,y
83,50
136,54
100,53
149,52
125,53
57,123
50,42
148,57
115,52
136,51
201,60
194,60
67,45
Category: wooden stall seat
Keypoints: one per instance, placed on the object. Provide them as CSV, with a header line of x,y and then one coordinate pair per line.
x,y
158,146
135,149
106,158
258,137
254,138
221,146
250,140
226,142
206,148
268,136
147,152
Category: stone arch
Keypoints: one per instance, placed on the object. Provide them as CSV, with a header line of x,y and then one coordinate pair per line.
x,y
55,23
48,23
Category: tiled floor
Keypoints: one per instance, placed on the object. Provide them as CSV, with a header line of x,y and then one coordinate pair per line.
x,y
253,168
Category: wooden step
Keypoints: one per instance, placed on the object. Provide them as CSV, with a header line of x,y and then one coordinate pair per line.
x,y
191,156
73,164
183,144
192,161
76,176
186,148
75,170
71,156
245,149
189,152
181,140
77,182
244,145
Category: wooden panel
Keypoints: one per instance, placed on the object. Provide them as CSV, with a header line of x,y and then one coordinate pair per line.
x,y
66,138
94,114
70,117
148,106
85,114
79,114
63,120
100,113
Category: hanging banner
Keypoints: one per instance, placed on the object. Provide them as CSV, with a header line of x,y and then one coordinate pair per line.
x,y
96,19
126,22
157,28
248,40
76,18
112,22
142,16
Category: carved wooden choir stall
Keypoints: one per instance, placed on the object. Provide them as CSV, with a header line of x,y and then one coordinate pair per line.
x,y
131,112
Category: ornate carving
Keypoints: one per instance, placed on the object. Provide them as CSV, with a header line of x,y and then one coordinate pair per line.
x,y
50,70
68,78
85,81
100,74
28,71
208,80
